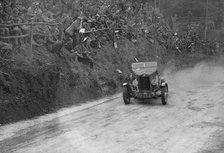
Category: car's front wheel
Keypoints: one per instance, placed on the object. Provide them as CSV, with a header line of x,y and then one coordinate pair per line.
x,y
126,96
164,95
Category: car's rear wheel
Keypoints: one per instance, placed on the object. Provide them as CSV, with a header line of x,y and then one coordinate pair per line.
x,y
164,95
126,96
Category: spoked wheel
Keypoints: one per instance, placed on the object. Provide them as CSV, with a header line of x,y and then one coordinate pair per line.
x,y
126,96
164,95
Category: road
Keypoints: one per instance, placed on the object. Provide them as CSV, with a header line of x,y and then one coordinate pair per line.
x,y
192,122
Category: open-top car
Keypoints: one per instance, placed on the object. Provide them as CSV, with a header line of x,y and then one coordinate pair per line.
x,y
145,83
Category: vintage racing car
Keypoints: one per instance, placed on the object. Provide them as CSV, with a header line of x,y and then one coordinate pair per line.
x,y
145,83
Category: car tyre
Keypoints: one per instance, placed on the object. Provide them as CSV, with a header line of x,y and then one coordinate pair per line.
x,y
126,96
164,95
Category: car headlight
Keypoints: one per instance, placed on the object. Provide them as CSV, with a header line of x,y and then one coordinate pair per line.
x,y
135,82
153,82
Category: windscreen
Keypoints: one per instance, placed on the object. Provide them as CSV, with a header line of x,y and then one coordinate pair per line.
x,y
144,67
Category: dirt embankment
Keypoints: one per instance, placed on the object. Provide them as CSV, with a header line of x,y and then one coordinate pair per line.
x,y
43,81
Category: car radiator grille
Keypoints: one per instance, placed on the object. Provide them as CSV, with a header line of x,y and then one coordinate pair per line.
x,y
144,83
